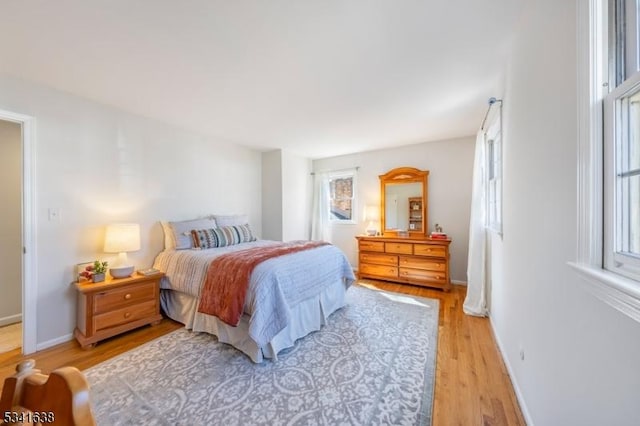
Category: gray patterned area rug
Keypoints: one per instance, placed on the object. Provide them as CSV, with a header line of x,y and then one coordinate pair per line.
x,y
373,363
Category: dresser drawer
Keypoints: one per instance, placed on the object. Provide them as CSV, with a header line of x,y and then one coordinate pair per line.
x,y
372,246
423,263
124,296
125,315
378,270
379,259
399,248
421,274
430,250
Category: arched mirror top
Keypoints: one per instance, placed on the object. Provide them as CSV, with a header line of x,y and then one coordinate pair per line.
x,y
404,202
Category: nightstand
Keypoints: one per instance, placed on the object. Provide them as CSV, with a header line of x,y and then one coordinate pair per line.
x,y
116,305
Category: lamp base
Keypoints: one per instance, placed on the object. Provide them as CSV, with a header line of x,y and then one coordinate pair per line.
x,y
372,232
122,272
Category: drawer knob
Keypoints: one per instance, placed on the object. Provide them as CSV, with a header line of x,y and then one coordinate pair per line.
x,y
127,314
127,296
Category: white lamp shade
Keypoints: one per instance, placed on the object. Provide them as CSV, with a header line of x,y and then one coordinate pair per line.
x,y
372,213
122,238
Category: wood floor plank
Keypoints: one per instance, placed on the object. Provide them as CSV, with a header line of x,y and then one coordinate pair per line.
x,y
472,384
10,337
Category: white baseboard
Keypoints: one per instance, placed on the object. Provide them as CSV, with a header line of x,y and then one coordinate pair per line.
x,y
458,282
11,319
53,342
516,388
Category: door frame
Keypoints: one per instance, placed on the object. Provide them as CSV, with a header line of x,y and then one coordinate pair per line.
x,y
29,252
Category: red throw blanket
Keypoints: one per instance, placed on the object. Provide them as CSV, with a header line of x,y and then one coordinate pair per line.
x,y
227,279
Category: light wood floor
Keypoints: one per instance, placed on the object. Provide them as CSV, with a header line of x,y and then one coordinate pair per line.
x,y
10,337
472,384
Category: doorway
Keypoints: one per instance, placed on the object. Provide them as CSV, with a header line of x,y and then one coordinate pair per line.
x,y
11,236
17,243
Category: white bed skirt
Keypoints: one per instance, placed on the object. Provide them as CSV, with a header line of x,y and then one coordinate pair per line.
x,y
309,315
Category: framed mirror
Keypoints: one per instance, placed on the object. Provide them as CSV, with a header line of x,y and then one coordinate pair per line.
x,y
404,202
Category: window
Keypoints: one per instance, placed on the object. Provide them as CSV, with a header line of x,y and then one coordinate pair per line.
x,y
622,146
342,189
493,141
607,214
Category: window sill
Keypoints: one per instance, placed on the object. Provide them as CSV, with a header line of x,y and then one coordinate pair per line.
x,y
619,292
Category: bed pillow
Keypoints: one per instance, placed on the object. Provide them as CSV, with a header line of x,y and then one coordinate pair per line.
x,y
230,219
169,244
181,231
222,236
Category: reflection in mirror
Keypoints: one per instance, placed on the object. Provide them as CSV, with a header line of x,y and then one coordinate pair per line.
x,y
397,209
404,202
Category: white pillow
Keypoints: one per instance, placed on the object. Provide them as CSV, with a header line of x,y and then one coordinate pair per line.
x,y
181,232
169,243
231,219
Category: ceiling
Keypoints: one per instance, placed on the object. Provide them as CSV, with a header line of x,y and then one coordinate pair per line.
x,y
317,78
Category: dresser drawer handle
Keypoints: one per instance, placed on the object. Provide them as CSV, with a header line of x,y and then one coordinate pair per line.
x,y
127,314
127,296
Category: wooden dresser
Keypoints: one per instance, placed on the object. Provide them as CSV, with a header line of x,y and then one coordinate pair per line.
x,y
117,305
420,261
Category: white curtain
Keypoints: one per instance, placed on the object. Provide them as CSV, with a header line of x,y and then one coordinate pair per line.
x,y
320,229
476,300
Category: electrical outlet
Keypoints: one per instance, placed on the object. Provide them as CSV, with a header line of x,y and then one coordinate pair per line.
x,y
54,215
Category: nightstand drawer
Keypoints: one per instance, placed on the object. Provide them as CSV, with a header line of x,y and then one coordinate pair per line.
x,y
125,315
125,296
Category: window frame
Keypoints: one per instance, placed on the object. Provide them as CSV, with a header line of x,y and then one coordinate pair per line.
x,y
494,177
618,291
354,185
616,122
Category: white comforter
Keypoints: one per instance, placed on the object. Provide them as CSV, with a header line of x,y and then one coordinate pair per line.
x,y
276,284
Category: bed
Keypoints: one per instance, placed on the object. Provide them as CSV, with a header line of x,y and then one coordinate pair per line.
x,y
287,297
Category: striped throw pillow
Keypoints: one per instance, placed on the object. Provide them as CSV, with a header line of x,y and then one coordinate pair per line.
x,y
222,236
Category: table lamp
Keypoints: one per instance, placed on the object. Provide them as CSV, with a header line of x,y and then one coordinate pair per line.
x,y
371,215
122,238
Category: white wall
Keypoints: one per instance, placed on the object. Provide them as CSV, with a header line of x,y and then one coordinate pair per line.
x,y
296,197
272,195
10,222
450,165
581,356
98,165
286,196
